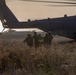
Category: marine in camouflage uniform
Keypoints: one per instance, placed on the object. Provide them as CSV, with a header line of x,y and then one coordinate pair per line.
x,y
29,40
48,39
40,40
36,40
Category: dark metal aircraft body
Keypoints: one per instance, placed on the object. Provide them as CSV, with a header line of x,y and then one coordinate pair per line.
x,y
63,26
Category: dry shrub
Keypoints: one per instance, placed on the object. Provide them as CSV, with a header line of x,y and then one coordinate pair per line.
x,y
18,59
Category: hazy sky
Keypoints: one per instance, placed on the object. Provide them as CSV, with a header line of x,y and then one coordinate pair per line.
x,y
24,10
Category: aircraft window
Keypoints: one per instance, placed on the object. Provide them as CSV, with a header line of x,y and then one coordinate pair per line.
x,y
4,21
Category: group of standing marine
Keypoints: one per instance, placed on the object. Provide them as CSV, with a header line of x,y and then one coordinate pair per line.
x,y
37,40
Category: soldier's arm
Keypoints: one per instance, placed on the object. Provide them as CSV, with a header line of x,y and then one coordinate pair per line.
x,y
24,40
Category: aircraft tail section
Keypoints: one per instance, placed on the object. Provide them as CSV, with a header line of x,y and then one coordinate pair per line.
x,y
9,16
6,15
2,3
